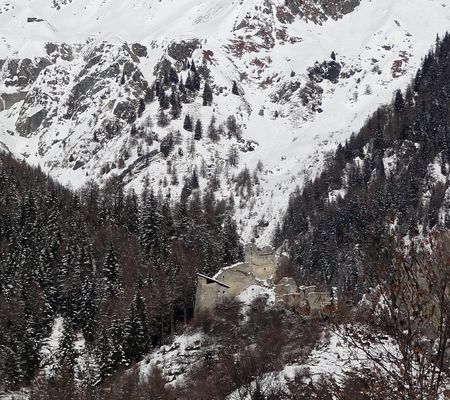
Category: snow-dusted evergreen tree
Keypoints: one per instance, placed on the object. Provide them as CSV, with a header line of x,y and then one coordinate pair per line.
x,y
66,354
136,330
207,95
162,120
213,133
112,273
232,246
235,89
149,223
187,124
198,131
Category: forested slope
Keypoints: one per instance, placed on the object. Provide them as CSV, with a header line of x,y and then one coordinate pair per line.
x,y
119,270
388,182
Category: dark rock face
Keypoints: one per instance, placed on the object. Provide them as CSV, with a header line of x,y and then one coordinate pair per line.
x,y
338,8
42,100
139,50
311,96
162,67
126,111
9,99
59,50
317,11
34,19
103,95
31,124
21,73
285,93
327,70
96,77
182,51
60,3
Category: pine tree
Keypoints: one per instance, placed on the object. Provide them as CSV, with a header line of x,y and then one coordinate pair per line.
x,y
164,101
198,131
194,179
399,103
137,335
181,87
233,156
103,361
30,340
141,108
131,212
196,81
232,247
66,353
212,130
166,145
149,225
163,120
150,95
187,124
173,76
235,89
112,273
116,337
166,80
188,83
207,95
175,102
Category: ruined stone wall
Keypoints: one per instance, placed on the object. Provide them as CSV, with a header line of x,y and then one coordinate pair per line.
x,y
208,295
262,261
259,268
319,302
238,277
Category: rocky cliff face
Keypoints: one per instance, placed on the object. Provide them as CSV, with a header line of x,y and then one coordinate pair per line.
x,y
96,92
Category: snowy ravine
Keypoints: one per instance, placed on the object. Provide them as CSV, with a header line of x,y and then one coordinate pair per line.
x,y
61,65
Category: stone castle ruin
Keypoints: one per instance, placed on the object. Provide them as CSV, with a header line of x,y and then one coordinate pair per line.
x,y
259,269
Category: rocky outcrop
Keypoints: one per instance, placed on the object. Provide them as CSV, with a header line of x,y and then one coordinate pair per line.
x,y
22,72
89,104
139,50
327,70
60,3
59,50
28,125
183,50
317,11
42,101
7,100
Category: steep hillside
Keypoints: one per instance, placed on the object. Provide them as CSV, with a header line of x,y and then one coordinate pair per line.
x,y
112,272
386,187
81,87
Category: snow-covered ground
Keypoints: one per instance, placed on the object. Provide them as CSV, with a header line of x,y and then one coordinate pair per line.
x,y
178,358
332,357
379,47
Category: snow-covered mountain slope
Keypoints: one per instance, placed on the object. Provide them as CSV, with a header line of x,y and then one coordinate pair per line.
x,y
74,75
